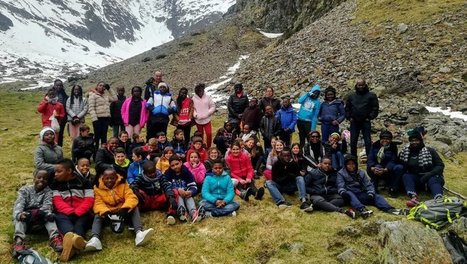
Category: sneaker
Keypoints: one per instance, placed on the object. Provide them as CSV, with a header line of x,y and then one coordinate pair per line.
x,y
182,213
142,237
364,212
233,214
245,194
394,211
170,220
72,244
306,207
199,214
284,205
259,194
412,202
351,213
56,243
94,244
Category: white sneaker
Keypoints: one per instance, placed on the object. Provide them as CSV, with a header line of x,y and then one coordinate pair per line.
x,y
170,220
142,237
233,214
94,244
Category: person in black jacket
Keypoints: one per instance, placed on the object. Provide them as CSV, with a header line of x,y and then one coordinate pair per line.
x,y
321,185
269,100
269,126
237,104
83,146
116,121
361,107
152,84
105,156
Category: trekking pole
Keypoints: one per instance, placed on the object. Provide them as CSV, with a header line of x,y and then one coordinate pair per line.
x,y
455,193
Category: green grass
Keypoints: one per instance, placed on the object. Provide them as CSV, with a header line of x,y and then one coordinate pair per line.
x,y
260,233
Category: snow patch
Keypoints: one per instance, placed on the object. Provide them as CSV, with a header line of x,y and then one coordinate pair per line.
x,y
446,112
270,35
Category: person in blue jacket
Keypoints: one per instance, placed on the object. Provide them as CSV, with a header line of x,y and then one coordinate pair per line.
x,y
288,119
308,113
331,113
160,106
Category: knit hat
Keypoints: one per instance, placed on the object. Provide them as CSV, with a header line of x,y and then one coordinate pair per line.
x,y
44,130
385,134
162,84
238,86
335,134
414,133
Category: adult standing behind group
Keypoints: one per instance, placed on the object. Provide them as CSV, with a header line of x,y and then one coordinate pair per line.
x,y
331,113
308,113
160,106
134,112
203,109
270,100
152,84
361,107
62,98
237,104
99,109
76,108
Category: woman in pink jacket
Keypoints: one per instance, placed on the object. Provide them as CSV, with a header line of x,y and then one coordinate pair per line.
x,y
134,112
204,108
242,173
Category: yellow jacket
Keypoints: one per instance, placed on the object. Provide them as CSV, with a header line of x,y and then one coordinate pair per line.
x,y
162,164
111,200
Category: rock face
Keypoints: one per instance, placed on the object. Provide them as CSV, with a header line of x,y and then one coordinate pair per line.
x,y
411,242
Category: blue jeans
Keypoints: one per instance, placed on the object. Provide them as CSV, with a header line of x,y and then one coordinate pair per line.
x,y
355,128
412,183
328,129
276,190
75,224
220,211
337,160
360,199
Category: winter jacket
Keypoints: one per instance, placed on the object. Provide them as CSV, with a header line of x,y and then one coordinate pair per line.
x,y
318,182
330,111
218,187
287,118
203,109
163,164
356,182
46,156
81,145
362,106
309,155
435,169
161,106
135,170
47,109
28,199
203,154
153,186
104,160
252,117
272,101
389,159
73,196
112,200
236,106
309,107
180,147
163,145
79,109
284,173
240,166
122,169
99,104
125,112
116,111
185,180
151,87
269,126
198,171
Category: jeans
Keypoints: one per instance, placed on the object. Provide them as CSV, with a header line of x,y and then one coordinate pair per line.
x,y
100,221
360,199
22,227
206,128
100,126
220,211
392,178
304,127
327,202
328,129
187,203
73,223
355,128
337,160
412,183
276,190
154,128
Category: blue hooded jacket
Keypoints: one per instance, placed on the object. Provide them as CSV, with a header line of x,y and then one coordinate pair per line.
x,y
287,118
309,107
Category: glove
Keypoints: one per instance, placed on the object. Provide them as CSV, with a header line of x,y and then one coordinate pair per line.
x,y
424,177
123,213
173,203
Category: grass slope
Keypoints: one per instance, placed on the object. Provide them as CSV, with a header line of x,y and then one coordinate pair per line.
x,y
260,233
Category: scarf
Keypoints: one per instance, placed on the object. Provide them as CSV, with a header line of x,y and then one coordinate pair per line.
x,y
424,156
380,154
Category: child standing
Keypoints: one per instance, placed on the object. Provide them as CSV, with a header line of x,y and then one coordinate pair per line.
x,y
331,113
83,145
288,119
269,126
184,113
33,206
113,196
184,184
196,167
135,169
218,194
154,192
76,107
50,107
163,163
179,144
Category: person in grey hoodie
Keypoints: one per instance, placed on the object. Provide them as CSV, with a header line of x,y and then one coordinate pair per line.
x,y
47,153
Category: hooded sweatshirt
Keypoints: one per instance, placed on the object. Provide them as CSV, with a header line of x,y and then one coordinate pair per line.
x,y
361,106
309,107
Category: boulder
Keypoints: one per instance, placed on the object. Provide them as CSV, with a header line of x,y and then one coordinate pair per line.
x,y
347,256
411,242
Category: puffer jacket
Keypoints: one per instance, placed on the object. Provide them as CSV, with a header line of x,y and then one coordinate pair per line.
x,y
79,109
75,196
184,180
361,106
46,156
99,104
199,171
240,166
161,106
287,118
237,105
28,198
203,109
111,200
218,188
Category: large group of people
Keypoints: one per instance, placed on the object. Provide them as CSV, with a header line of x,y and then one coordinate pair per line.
x,y
190,179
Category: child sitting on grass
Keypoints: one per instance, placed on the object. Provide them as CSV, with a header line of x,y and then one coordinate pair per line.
x,y
154,192
213,155
115,201
82,168
152,150
179,144
135,169
196,167
218,194
197,145
355,186
163,163
33,208
121,164
184,184
162,141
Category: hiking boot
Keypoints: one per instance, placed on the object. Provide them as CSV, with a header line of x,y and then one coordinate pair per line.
x,y
94,244
182,213
199,214
259,194
306,206
245,194
350,213
170,220
142,237
284,205
56,243
412,202
72,244
364,212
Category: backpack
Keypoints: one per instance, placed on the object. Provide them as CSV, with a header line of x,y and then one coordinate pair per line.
x,y
30,256
437,213
456,247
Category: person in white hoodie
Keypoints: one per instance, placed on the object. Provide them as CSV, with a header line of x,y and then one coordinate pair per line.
x,y
204,108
